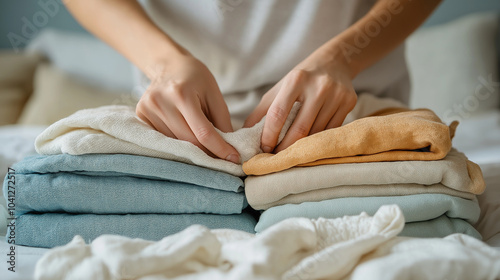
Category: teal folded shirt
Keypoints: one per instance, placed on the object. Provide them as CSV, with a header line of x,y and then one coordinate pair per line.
x,y
426,215
57,229
122,184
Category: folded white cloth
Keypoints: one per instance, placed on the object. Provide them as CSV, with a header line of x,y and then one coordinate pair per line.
x,y
355,247
454,175
117,129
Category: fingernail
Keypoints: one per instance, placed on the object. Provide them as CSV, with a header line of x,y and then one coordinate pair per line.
x,y
267,149
233,158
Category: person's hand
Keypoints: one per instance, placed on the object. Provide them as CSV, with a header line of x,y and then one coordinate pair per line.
x,y
184,102
322,84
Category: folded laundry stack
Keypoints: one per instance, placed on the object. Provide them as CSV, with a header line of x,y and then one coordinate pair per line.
x,y
392,156
60,196
104,171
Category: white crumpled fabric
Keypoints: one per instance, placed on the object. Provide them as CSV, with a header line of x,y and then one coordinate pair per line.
x,y
352,247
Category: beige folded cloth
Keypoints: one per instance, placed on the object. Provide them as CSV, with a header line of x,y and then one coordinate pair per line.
x,y
453,175
388,135
360,191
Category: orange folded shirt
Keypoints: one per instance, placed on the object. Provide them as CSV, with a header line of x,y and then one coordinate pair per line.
x,y
392,134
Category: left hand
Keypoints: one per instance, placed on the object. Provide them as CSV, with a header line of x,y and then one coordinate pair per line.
x,y
322,84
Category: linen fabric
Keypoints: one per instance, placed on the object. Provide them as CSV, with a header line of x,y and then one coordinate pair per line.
x,y
122,184
387,135
452,175
354,191
416,208
355,247
439,227
130,165
118,195
116,129
56,229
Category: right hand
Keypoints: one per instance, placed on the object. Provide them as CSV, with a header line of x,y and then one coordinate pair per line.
x,y
184,102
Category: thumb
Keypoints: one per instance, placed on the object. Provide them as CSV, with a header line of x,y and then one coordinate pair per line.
x,y
261,110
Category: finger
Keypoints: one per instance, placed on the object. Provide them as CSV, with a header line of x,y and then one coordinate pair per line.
x,y
144,118
155,123
301,125
260,111
205,132
324,116
277,114
339,117
172,118
218,113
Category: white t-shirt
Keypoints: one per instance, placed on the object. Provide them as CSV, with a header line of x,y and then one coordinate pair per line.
x,y
249,45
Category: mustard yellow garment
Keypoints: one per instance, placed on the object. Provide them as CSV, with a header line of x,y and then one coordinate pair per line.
x,y
388,135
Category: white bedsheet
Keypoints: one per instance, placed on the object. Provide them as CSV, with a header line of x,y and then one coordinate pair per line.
x,y
25,261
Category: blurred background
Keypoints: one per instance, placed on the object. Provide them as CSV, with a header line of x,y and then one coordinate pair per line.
x,y
51,67
12,12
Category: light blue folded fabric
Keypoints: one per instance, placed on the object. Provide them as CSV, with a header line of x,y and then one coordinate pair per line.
x,y
66,192
122,184
57,229
439,227
130,165
448,210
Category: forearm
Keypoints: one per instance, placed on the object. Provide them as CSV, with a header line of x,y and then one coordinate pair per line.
x,y
372,37
125,26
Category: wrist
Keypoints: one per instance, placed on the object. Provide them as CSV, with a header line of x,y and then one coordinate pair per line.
x,y
164,56
331,57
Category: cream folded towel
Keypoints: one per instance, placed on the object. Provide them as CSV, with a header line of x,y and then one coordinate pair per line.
x,y
117,129
454,175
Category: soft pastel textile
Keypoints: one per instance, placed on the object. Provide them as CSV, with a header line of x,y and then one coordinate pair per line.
x,y
116,129
387,135
357,247
454,175
56,229
263,202
119,195
122,184
416,208
440,227
130,165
